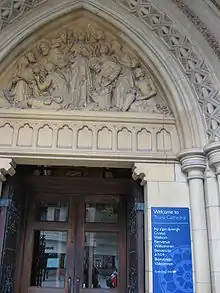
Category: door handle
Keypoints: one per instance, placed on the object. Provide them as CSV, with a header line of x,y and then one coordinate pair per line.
x,y
77,285
69,284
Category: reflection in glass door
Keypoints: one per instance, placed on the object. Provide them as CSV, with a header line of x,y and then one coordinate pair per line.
x,y
76,246
49,259
101,260
104,267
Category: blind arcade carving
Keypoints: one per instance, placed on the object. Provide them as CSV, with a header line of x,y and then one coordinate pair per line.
x,y
81,67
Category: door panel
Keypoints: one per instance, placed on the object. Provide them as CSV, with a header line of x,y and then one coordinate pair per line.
x,y
76,244
49,246
101,260
98,245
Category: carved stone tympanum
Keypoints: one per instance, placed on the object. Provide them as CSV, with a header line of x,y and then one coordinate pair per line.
x,y
80,67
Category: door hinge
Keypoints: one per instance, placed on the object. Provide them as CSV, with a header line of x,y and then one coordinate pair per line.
x,y
5,202
139,206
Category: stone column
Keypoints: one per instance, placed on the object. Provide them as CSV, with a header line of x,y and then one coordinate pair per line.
x,y
213,211
194,164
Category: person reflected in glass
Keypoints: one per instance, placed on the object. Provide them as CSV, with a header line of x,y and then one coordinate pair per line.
x,y
95,276
112,281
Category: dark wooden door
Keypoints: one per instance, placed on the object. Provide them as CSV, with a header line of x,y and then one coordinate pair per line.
x,y
75,236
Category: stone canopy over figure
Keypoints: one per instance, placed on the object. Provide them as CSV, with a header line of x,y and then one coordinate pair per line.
x,y
81,67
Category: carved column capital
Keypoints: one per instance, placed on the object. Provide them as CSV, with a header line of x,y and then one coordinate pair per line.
x,y
212,151
7,167
193,163
139,172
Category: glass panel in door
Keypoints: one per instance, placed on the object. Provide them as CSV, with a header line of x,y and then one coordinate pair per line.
x,y
49,259
101,260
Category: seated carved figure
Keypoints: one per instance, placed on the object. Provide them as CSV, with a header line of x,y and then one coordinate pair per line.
x,y
20,86
103,83
143,93
48,89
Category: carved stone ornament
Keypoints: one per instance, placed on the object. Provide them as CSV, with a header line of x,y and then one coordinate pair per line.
x,y
11,10
196,68
80,67
7,167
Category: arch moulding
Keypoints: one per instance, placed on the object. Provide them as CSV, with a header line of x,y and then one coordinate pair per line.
x,y
38,132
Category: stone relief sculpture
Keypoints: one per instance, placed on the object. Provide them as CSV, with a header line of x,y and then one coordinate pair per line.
x,y
81,68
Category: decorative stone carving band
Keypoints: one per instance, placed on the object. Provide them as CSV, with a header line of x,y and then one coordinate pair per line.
x,y
7,167
216,3
11,10
62,136
200,25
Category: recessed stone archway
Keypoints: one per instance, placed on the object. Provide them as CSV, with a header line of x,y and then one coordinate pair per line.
x,y
180,95
109,10
50,137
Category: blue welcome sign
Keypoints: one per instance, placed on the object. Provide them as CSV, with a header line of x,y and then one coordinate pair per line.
x,y
171,250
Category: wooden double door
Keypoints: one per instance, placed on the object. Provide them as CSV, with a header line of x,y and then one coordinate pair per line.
x,y
76,236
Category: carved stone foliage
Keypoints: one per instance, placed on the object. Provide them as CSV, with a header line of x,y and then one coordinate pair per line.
x,y
10,10
81,67
193,63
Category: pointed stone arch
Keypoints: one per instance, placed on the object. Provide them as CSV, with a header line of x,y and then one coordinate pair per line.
x,y
182,98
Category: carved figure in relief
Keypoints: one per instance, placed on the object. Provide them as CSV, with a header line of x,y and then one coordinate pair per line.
x,y
49,90
103,83
21,86
124,85
83,67
143,92
82,40
51,58
80,78
64,41
100,46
